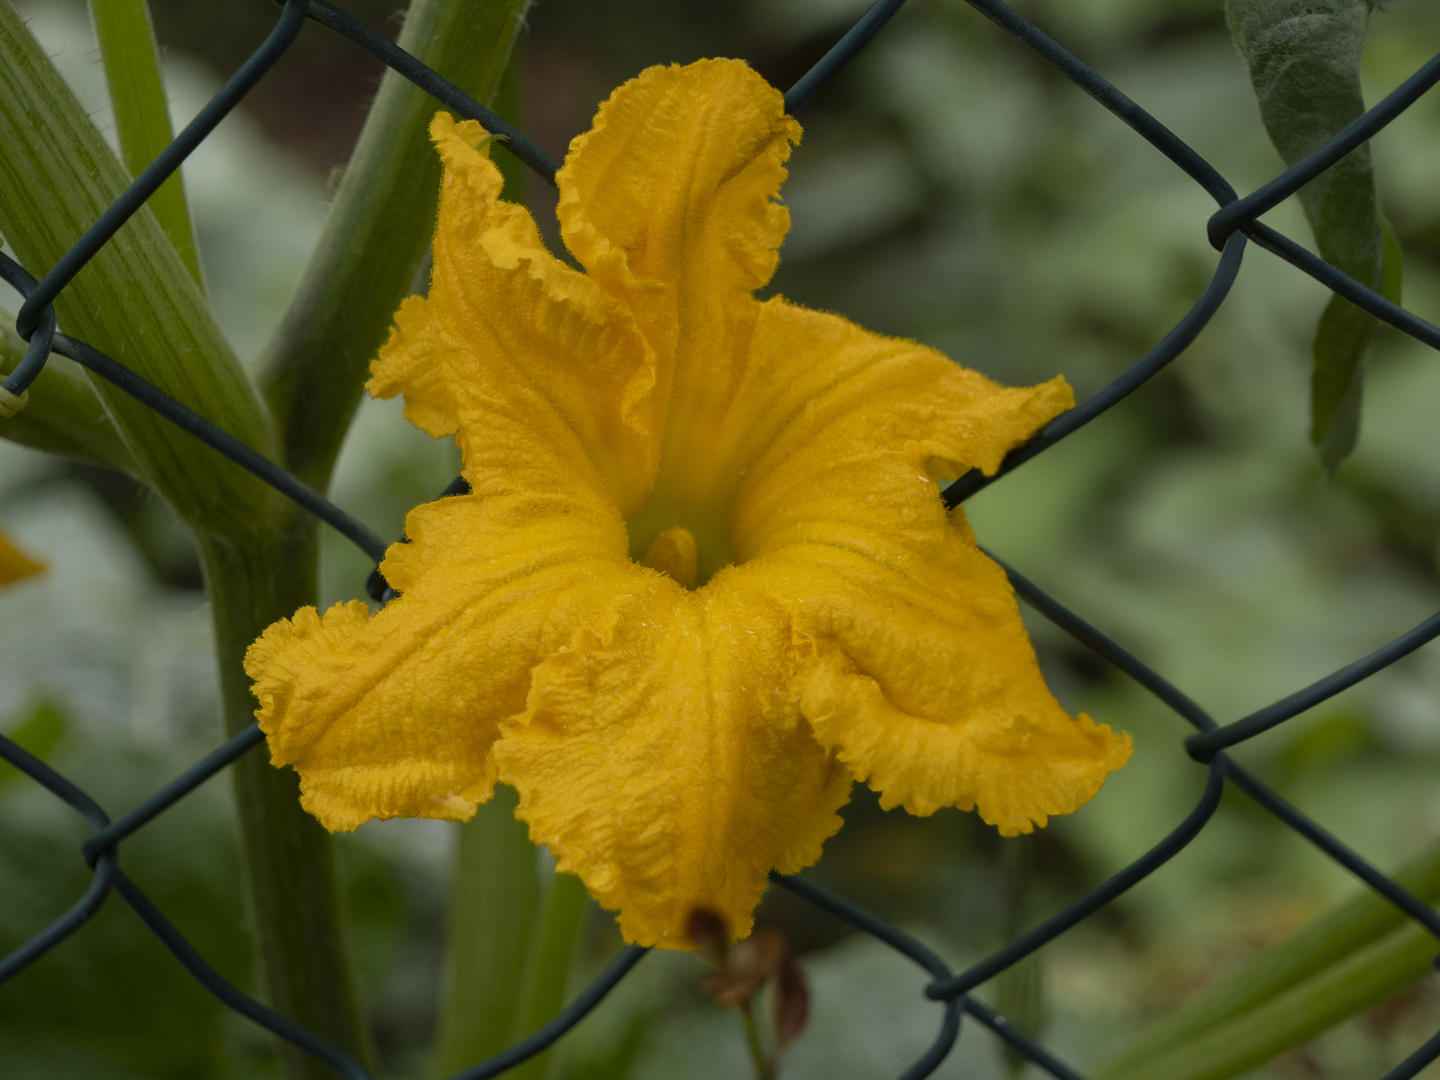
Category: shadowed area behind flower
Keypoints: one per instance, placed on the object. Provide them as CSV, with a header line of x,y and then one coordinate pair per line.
x,y
671,744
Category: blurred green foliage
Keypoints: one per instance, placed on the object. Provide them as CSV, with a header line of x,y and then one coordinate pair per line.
x,y
952,188
36,735
111,1001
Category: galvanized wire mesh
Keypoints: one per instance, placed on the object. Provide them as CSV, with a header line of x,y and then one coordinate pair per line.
x,y
1229,230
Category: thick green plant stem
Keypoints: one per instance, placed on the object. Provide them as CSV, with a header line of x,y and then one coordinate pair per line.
x,y
142,118
494,893
135,300
376,233
551,954
293,891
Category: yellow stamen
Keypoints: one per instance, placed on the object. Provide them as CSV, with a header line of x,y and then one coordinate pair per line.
x,y
673,553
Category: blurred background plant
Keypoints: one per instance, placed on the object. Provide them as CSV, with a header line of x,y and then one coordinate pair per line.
x,y
951,188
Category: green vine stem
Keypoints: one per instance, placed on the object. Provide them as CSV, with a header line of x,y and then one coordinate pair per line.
x,y
377,232
494,893
510,941
551,953
142,117
137,301
762,1062
295,904
375,235
1360,981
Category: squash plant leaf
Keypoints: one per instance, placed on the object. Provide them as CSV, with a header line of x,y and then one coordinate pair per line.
x,y
1304,61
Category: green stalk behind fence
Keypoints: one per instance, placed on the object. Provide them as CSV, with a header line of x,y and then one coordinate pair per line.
x,y
138,301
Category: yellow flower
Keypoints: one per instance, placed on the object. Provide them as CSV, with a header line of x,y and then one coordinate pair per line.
x,y
705,579
15,564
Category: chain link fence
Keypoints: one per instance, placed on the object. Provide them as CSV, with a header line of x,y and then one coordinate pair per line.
x,y
1230,230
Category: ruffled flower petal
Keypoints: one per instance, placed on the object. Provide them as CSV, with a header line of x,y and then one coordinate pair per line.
x,y
394,714
919,673
662,758
921,678
15,564
669,202
818,389
410,362
538,356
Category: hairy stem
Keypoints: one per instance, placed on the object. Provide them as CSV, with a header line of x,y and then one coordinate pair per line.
x,y
137,301
296,910
377,232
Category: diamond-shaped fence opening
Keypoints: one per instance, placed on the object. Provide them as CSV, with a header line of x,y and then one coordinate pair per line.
x,y
1233,226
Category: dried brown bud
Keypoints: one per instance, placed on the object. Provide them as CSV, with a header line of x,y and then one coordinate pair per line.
x,y
742,971
711,937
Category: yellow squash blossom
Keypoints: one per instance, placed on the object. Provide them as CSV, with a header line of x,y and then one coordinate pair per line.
x,y
704,579
14,563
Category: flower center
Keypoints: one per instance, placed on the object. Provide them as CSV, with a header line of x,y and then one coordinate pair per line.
x,y
673,552
689,546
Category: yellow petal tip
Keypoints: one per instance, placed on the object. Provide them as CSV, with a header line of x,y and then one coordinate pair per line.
x,y
15,565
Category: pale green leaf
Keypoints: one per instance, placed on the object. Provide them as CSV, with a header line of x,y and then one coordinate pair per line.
x,y
1304,61
134,300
